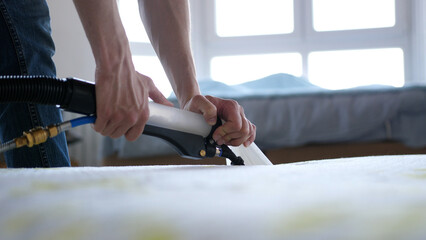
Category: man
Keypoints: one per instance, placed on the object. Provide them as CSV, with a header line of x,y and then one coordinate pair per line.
x,y
121,92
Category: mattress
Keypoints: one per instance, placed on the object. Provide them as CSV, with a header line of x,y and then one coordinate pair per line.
x,y
352,198
289,112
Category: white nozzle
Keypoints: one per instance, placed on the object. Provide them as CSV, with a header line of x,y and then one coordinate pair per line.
x,y
251,155
177,119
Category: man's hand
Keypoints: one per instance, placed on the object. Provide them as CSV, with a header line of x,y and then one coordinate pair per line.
x,y
236,130
122,102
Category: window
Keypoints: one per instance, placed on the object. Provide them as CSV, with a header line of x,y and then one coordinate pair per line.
x,y
359,67
334,15
151,66
253,17
129,13
325,41
330,44
234,69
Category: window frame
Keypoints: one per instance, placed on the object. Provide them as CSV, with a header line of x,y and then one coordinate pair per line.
x,y
304,39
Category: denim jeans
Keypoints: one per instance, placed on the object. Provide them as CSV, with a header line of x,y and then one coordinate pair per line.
x,y
26,48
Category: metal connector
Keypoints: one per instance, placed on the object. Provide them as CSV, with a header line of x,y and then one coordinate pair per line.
x,y
36,136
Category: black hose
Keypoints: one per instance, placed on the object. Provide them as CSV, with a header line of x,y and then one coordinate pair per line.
x,y
70,94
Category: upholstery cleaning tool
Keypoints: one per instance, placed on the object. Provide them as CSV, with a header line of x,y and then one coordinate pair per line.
x,y
189,122
188,132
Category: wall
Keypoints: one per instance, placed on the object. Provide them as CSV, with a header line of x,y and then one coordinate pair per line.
x,y
73,54
419,40
74,58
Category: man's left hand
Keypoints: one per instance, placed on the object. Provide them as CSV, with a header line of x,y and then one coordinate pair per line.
x,y
236,129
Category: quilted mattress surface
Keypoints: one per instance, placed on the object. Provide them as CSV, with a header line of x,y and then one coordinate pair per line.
x,y
352,198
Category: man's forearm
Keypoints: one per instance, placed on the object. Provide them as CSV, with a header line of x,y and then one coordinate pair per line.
x,y
104,30
121,93
167,23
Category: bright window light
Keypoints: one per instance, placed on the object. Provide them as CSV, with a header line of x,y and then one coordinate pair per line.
x,y
253,17
352,68
238,69
333,15
151,67
129,13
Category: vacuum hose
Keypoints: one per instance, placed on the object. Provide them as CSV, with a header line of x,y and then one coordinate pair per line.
x,y
71,94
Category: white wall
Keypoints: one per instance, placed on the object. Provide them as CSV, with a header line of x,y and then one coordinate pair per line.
x,y
419,40
74,58
73,54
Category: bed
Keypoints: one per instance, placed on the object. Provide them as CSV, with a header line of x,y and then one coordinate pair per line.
x,y
304,122
381,197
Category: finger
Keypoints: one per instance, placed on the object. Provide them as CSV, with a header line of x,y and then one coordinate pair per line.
x,y
246,127
218,135
245,140
238,137
100,124
201,104
158,97
235,136
109,128
117,126
227,109
233,139
119,131
153,91
136,130
250,140
233,124
101,120
133,133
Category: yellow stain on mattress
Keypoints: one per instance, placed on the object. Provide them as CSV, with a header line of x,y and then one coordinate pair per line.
x,y
376,222
308,220
406,223
118,184
76,230
149,226
30,221
19,222
156,233
419,173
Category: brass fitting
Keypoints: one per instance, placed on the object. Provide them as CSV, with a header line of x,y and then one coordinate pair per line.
x,y
21,141
53,131
36,136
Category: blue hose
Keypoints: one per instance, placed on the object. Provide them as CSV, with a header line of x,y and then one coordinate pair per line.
x,y
82,120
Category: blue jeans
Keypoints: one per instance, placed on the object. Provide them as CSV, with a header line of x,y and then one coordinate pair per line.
x,y
26,48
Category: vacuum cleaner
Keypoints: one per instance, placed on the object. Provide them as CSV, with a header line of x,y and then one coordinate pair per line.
x,y
186,131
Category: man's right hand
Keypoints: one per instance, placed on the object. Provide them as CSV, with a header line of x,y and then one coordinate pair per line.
x,y
122,102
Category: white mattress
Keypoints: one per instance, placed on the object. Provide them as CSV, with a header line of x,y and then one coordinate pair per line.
x,y
354,198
